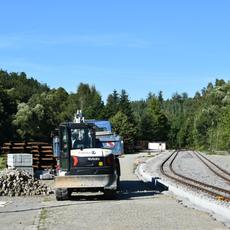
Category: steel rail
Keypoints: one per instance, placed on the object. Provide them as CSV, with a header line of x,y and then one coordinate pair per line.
x,y
196,181
214,171
182,181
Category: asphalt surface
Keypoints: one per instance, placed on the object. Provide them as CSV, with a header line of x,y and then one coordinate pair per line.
x,y
138,206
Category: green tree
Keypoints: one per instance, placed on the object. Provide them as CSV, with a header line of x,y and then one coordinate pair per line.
x,y
184,135
222,132
125,106
42,114
7,109
154,123
219,82
88,99
160,98
205,121
124,128
20,87
138,108
112,104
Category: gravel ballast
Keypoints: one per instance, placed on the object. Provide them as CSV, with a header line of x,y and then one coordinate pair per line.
x,y
190,166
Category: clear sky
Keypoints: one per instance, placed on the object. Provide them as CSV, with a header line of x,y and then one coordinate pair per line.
x,y
140,46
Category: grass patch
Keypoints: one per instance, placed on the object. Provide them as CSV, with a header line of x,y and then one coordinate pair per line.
x,y
47,199
215,152
42,219
2,162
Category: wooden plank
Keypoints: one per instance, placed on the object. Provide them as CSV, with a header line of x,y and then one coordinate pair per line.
x,y
19,144
46,160
35,166
35,151
46,147
46,151
36,159
37,143
7,144
6,148
46,167
17,147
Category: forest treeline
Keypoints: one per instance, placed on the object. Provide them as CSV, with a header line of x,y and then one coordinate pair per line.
x,y
30,110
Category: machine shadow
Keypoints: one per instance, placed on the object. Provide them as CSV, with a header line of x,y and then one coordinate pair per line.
x,y
136,188
130,189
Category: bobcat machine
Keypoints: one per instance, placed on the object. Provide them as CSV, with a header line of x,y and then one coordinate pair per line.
x,y
85,164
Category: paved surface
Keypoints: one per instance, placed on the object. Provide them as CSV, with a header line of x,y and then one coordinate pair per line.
x,y
137,207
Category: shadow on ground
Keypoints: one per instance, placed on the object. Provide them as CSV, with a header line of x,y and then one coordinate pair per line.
x,y
129,189
132,189
136,188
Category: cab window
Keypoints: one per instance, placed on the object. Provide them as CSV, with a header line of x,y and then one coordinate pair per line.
x,y
81,138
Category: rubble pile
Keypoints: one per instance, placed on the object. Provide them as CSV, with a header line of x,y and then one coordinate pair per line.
x,y
20,183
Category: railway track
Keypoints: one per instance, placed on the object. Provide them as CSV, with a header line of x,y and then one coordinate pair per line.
x,y
214,191
225,175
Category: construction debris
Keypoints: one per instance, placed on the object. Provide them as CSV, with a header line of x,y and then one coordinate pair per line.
x,y
20,183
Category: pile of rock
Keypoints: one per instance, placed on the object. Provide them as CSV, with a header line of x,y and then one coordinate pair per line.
x,y
20,183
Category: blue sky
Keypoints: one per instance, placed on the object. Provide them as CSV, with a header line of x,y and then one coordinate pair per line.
x,y
140,46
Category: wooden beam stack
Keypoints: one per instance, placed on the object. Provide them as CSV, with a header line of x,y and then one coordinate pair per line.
x,y
42,153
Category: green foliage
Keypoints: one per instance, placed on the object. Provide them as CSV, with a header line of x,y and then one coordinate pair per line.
x,y
222,133
42,114
112,105
138,108
2,162
123,127
31,110
19,86
205,120
125,106
7,109
154,124
119,102
185,136
201,122
89,101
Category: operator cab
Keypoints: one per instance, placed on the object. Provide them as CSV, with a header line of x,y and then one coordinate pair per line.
x,y
73,137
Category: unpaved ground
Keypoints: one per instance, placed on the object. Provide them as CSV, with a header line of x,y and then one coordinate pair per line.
x,y
138,207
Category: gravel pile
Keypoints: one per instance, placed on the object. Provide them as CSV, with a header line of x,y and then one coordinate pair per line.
x,y
20,183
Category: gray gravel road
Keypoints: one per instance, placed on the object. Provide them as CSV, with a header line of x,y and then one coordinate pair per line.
x,y
137,207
